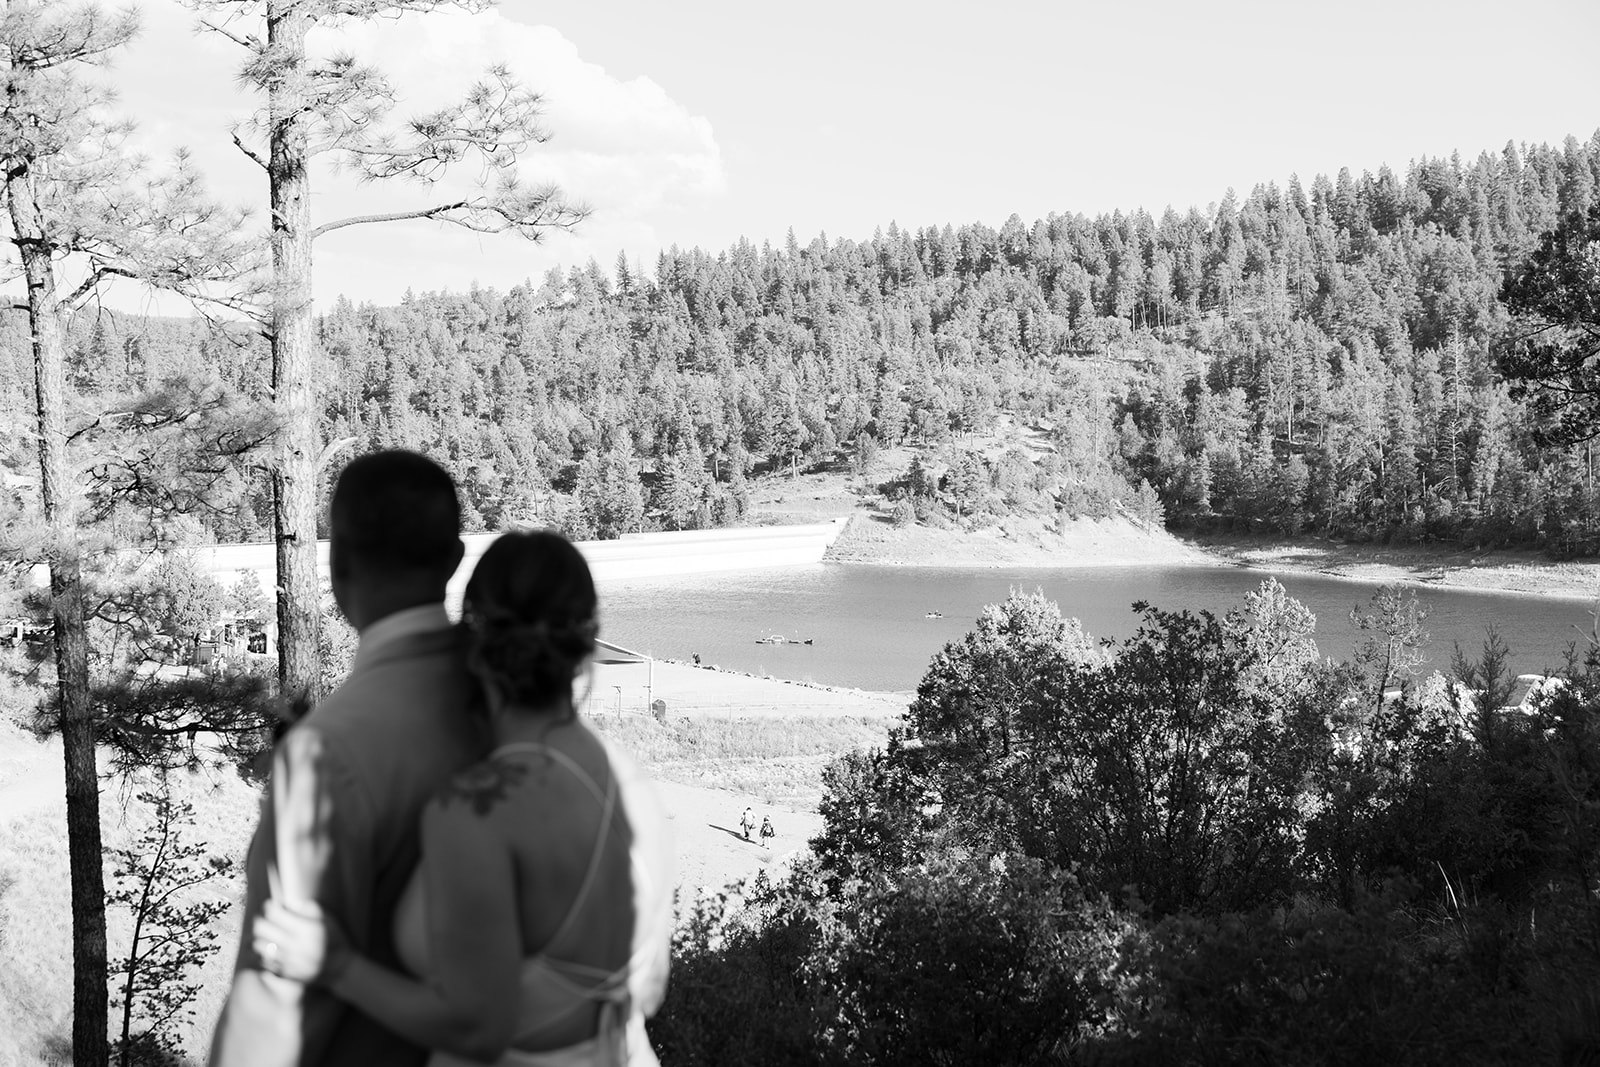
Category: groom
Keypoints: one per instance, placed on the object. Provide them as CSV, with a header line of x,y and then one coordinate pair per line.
x,y
339,822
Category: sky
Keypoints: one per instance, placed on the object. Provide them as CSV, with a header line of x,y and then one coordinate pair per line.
x,y
697,122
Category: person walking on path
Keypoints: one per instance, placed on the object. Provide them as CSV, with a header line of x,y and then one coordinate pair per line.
x,y
747,822
767,832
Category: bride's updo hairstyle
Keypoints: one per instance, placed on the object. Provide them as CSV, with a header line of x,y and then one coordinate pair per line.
x,y
530,609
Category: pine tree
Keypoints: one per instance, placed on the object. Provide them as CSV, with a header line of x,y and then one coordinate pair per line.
x,y
1553,357
624,274
341,109
172,934
83,210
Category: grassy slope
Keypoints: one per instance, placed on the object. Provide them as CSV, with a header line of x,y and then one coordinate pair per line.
x,y
710,768
35,924
776,758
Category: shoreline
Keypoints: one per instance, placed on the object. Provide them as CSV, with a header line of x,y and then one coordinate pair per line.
x,y
1105,543
711,691
1502,572
832,530
1021,542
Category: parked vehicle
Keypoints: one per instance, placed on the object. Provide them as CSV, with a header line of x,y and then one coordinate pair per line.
x,y
14,632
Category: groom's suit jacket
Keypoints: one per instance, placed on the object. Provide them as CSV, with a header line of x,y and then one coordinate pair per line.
x,y
339,825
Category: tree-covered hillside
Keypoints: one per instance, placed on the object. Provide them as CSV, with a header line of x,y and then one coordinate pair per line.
x,y
1316,357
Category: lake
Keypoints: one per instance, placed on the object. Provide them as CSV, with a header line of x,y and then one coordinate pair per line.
x,y
870,629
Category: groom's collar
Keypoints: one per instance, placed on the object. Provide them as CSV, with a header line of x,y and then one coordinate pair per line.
x,y
423,619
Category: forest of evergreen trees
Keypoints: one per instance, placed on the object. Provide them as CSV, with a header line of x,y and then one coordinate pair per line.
x,y
1300,359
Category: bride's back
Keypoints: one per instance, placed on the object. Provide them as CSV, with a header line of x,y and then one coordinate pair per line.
x,y
593,907
570,849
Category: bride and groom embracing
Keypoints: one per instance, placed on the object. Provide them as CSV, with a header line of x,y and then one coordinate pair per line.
x,y
450,867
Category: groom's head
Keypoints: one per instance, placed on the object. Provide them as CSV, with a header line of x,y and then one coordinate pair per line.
x,y
396,535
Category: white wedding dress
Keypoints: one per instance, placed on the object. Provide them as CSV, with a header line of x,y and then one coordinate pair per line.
x,y
553,988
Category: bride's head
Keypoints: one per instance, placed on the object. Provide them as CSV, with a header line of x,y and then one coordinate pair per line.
x,y
530,608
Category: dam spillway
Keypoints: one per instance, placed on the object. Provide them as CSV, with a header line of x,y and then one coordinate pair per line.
x,y
641,555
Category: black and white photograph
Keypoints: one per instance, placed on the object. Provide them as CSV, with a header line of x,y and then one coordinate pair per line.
x,y
539,533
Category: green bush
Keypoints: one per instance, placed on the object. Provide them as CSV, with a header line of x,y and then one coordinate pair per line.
x,y
967,959
1161,763
1314,872
738,994
994,960
1320,986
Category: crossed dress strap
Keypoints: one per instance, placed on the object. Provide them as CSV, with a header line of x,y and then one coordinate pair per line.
x,y
584,983
608,799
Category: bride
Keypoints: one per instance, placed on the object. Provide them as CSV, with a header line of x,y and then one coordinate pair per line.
x,y
537,926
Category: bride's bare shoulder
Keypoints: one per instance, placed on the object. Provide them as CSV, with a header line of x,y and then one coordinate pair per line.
x,y
482,787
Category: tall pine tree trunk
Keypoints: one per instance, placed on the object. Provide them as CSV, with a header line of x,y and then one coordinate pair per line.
x,y
59,497
294,479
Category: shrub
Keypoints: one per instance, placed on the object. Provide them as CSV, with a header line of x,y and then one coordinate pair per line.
x,y
154,985
971,958
737,993
1321,874
1162,764
336,646
968,959
873,809
1314,985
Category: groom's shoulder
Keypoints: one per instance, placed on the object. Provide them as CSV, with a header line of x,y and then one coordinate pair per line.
x,y
418,666
395,743
416,694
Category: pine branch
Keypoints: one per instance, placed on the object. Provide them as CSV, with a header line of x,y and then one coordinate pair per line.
x,y
86,35
249,152
529,213
243,40
363,9
497,121
95,279
393,216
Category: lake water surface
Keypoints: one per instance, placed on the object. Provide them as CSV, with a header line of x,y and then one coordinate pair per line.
x,y
870,627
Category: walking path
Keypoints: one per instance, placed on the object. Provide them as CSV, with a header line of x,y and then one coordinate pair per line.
x,y
709,848
710,853
32,777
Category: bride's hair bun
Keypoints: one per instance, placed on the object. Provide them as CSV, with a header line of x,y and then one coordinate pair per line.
x,y
530,607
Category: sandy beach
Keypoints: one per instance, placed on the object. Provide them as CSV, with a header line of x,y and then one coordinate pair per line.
x,y
869,537
1512,572
1020,542
703,691
709,850
1024,541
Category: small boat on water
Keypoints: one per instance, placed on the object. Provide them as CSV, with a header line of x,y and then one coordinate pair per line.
x,y
934,615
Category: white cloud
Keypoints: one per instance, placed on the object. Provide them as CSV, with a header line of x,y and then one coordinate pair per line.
x,y
624,147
